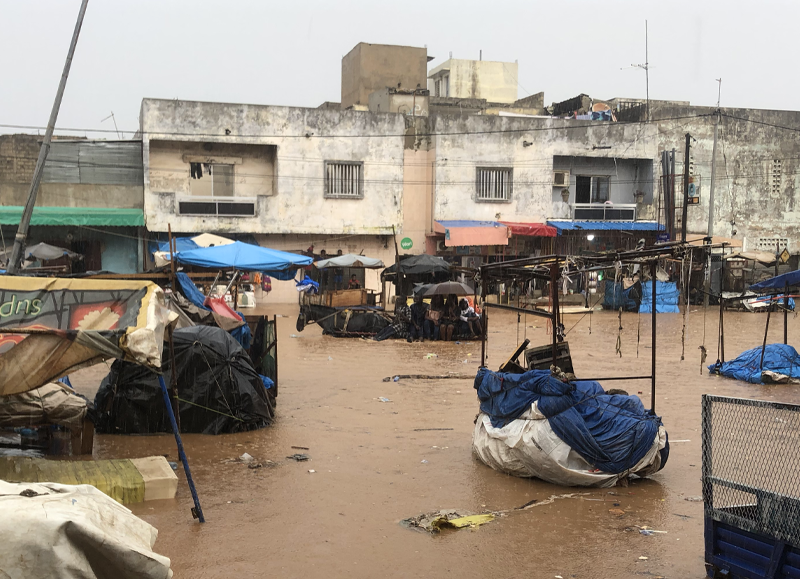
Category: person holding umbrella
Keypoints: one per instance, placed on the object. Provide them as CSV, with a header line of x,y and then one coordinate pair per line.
x,y
450,315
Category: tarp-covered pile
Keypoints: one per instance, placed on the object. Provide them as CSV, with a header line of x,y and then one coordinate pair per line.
x,y
667,298
535,425
49,404
219,390
781,364
71,323
69,531
618,296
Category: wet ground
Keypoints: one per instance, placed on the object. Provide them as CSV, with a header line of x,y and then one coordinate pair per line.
x,y
379,462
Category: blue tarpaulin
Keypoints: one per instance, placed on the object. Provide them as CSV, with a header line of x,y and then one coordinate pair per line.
x,y
606,225
190,291
181,244
778,358
307,285
245,257
186,286
612,432
667,298
615,297
780,282
242,334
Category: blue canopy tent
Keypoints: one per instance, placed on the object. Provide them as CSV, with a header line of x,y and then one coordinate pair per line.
x,y
245,257
778,282
770,362
181,244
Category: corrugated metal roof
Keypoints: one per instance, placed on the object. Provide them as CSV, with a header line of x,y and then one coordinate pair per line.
x,y
606,225
95,163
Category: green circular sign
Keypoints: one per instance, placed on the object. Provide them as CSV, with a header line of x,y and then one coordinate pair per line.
x,y
406,243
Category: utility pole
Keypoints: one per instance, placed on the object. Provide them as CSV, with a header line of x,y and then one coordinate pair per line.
x,y
647,72
24,224
710,231
646,68
685,216
714,165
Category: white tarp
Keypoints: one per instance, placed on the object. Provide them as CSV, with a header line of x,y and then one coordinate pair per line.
x,y
73,532
350,260
528,447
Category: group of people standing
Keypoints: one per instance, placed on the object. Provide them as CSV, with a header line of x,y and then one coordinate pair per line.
x,y
441,320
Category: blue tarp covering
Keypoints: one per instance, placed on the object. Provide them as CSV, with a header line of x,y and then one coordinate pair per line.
x,y
780,282
667,298
606,225
611,432
181,244
307,285
245,257
242,334
268,383
469,223
778,358
190,291
615,297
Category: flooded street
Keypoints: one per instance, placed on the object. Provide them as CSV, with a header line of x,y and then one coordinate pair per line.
x,y
379,462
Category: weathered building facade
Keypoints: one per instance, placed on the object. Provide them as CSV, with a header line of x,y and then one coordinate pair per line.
x,y
289,177
757,181
371,67
90,200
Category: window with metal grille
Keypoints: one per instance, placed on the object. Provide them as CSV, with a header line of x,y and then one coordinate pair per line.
x,y
775,176
344,179
494,183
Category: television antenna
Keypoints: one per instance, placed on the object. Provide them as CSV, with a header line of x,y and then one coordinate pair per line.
x,y
646,67
111,116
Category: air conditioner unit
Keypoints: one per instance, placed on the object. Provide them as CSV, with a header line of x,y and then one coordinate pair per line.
x,y
440,246
560,178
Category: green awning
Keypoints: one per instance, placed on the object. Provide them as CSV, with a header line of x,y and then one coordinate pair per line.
x,y
74,216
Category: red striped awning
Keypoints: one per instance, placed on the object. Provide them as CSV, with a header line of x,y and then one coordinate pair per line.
x,y
530,229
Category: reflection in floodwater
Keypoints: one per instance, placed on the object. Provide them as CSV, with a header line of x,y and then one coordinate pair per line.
x,y
377,463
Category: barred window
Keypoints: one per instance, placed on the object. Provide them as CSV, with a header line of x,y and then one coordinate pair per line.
x,y
494,183
776,174
344,179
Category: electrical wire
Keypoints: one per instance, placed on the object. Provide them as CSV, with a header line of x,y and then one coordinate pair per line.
x,y
308,135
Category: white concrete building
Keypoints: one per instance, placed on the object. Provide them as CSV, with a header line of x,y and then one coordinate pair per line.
x,y
289,177
475,79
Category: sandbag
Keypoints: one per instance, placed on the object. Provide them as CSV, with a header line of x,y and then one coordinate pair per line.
x,y
73,532
52,403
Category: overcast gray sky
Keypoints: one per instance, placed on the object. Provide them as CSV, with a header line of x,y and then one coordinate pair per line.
x,y
289,53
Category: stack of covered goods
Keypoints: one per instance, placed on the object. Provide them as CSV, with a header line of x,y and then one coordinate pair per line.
x,y
567,433
667,298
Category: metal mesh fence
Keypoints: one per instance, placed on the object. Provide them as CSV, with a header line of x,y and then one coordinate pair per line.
x,y
751,465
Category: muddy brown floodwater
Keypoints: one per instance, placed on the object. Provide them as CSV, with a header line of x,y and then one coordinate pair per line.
x,y
374,469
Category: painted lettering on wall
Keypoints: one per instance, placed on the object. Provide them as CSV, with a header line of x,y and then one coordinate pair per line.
x,y
16,306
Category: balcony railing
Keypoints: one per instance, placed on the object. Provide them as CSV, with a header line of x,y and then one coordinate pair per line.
x,y
603,211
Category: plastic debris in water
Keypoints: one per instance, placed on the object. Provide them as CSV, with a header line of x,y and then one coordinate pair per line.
x,y
396,378
382,399
423,461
